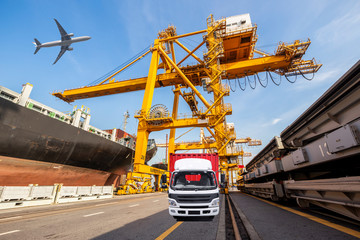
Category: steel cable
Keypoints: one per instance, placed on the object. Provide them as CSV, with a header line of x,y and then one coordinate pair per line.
x,y
309,79
231,87
240,84
118,67
260,81
272,79
250,82
289,80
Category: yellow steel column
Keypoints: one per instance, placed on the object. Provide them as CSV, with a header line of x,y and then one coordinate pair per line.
x,y
171,148
174,115
143,133
215,49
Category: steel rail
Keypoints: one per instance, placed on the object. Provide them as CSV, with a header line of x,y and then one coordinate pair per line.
x,y
233,221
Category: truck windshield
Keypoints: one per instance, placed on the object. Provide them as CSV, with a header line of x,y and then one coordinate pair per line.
x,y
193,180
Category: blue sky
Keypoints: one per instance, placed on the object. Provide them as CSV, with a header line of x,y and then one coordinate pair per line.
x,y
121,29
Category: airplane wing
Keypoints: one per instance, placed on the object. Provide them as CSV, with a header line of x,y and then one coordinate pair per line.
x,y
64,35
62,51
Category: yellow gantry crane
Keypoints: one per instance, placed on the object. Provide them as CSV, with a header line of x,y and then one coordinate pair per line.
x,y
230,47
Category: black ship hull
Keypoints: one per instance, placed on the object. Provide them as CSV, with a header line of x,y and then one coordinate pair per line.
x,y
30,135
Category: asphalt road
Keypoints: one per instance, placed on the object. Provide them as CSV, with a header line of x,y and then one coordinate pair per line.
x,y
123,217
145,216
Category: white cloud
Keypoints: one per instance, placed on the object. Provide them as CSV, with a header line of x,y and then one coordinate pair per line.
x,y
276,120
270,123
286,117
324,76
342,29
319,79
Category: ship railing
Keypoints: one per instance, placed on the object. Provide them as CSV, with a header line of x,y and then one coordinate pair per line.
x,y
34,105
99,132
127,143
46,110
9,94
104,134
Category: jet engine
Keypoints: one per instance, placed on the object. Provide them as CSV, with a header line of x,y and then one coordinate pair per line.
x,y
70,49
70,34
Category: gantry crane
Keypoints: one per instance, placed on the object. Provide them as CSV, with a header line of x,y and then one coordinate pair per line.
x,y
230,47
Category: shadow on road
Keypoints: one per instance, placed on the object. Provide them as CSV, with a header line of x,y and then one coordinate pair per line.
x,y
153,226
195,219
145,228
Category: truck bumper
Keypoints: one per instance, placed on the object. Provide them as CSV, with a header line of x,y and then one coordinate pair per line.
x,y
193,212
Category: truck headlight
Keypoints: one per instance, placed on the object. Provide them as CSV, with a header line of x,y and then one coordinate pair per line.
x,y
172,203
215,203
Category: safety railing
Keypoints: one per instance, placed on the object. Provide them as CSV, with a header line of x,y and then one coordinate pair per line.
x,y
17,196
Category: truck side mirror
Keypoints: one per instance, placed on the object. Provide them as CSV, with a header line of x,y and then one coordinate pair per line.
x,y
222,177
163,181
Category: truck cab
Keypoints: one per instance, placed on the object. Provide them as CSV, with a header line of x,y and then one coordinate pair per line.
x,y
193,189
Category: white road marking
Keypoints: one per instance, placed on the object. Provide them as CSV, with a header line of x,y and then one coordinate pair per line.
x,y
156,200
14,231
9,218
93,214
103,204
65,204
135,205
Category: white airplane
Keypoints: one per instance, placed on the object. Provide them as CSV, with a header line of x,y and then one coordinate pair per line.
x,y
65,42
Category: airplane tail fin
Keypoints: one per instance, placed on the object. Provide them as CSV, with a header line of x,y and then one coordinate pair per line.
x,y
38,45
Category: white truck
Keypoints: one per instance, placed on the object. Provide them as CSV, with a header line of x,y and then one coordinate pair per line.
x,y
193,187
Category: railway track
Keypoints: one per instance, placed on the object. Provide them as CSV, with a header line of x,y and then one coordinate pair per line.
x,y
237,226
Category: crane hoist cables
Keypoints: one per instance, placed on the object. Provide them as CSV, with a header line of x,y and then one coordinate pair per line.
x,y
289,80
302,74
252,87
262,80
272,79
100,79
243,89
233,90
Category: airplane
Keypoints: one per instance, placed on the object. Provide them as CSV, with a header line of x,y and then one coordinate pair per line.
x,y
65,41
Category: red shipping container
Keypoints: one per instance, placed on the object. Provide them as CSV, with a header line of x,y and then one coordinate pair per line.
x,y
213,157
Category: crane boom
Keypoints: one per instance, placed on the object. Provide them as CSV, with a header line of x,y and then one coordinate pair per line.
x,y
286,61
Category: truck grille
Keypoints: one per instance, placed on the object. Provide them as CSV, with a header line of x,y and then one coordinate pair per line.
x,y
194,198
194,212
193,207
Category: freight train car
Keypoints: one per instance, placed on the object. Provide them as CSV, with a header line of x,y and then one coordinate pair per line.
x,y
316,160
